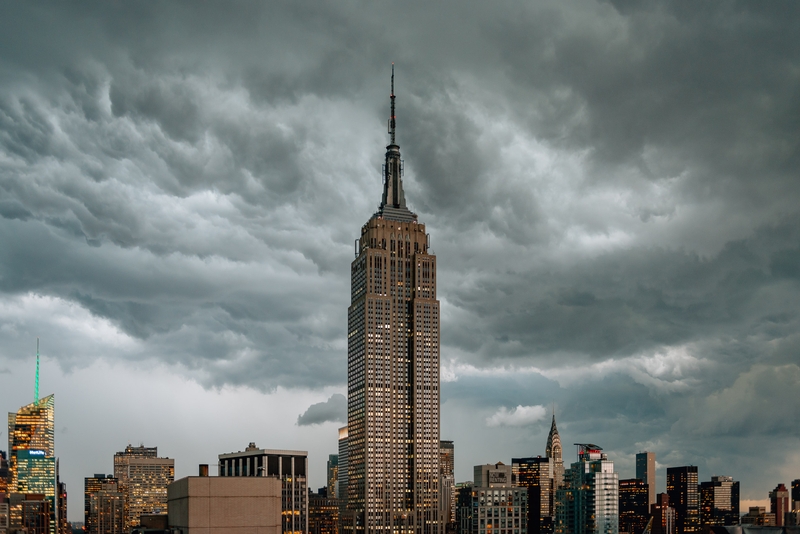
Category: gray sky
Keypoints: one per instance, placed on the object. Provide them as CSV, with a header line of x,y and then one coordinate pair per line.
x,y
611,190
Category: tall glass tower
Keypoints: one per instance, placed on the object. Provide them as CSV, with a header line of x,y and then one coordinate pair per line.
x,y
393,368
588,502
31,451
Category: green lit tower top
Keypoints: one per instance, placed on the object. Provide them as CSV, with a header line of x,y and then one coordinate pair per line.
x,y
31,447
36,386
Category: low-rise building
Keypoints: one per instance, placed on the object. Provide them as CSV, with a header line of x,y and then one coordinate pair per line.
x,y
225,505
499,506
290,467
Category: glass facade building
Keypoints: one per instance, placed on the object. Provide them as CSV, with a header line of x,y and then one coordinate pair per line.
x,y
588,503
634,508
535,474
646,472
684,497
32,462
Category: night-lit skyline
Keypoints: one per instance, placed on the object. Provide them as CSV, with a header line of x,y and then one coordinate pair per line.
x,y
612,190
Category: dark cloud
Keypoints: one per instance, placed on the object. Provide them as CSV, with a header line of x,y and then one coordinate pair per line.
x,y
332,410
610,188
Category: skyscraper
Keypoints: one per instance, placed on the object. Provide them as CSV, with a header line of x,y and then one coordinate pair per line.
x,y
32,462
3,472
634,508
143,479
779,503
91,487
646,472
663,515
341,486
795,491
393,367
684,497
719,502
447,489
534,474
553,451
588,502
333,475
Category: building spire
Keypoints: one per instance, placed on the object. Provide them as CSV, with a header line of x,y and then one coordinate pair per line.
x,y
553,449
36,386
392,116
393,203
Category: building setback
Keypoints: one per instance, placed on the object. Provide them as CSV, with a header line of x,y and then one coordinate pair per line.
x,y
719,502
779,504
393,368
291,467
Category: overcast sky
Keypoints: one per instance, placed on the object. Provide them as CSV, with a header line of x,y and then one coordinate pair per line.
x,y
611,189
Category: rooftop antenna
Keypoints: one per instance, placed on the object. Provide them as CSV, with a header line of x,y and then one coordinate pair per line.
x,y
391,119
36,387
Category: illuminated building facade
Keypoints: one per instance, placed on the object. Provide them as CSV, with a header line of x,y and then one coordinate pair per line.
x,y
499,506
393,368
535,474
333,474
92,504
323,514
588,502
554,451
719,502
463,507
143,479
684,497
4,474
634,506
779,504
291,467
447,484
646,472
663,515
32,462
37,514
341,485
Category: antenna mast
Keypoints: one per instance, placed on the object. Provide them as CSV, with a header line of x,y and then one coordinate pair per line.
x,y
391,119
36,387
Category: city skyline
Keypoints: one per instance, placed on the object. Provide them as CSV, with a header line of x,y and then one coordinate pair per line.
x,y
610,189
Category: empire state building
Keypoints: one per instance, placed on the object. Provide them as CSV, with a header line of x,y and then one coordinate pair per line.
x,y
393,368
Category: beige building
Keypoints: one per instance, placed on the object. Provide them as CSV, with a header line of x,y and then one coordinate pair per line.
x,y
143,479
290,467
393,368
225,505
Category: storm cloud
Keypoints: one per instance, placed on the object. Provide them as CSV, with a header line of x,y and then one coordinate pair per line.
x,y
610,187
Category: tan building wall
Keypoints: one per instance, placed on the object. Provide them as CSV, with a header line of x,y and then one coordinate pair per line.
x,y
225,505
